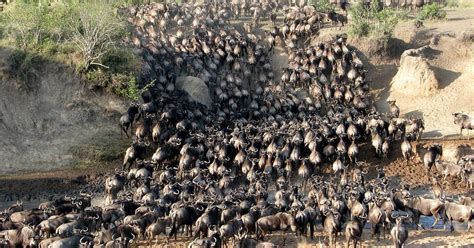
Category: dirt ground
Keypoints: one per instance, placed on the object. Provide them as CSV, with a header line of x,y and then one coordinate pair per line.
x,y
417,238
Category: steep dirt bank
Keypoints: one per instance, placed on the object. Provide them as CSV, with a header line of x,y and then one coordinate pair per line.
x,y
55,121
450,57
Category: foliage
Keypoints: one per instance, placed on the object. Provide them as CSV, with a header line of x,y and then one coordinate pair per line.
x,y
130,89
322,5
431,11
95,30
87,35
24,24
374,21
23,68
452,3
120,59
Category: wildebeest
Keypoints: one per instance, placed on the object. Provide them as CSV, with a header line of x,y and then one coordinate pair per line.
x,y
422,206
279,221
394,109
354,230
399,232
459,213
332,224
464,121
429,159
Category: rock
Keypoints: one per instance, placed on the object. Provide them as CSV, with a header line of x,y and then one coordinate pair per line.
x,y
415,76
196,88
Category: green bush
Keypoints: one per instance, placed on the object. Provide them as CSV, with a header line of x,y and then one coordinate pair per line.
x,y
126,86
431,11
95,29
374,21
452,3
87,35
23,68
322,5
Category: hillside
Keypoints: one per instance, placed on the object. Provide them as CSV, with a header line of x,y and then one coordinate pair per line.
x,y
54,120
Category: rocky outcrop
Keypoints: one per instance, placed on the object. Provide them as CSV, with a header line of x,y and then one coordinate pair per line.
x,y
415,76
196,89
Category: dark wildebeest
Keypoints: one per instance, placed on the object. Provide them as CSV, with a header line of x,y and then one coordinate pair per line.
x,y
399,231
430,156
354,230
126,120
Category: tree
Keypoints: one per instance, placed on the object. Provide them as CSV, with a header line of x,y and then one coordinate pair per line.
x,y
94,31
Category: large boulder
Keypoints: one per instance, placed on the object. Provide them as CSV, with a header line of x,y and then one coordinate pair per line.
x,y
415,76
196,88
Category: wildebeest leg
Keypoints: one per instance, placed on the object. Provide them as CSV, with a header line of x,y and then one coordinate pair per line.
x,y
311,229
436,219
451,227
375,231
416,220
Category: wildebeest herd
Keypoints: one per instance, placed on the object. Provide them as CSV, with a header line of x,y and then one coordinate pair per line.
x,y
269,154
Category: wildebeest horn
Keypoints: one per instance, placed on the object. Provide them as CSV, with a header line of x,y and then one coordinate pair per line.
x,y
176,192
82,243
200,208
214,241
395,215
133,237
405,215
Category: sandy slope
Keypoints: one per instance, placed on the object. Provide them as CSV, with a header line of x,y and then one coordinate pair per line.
x,y
452,61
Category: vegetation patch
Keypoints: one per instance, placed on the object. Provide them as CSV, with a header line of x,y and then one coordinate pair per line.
x,y
322,5
23,68
371,20
88,36
432,11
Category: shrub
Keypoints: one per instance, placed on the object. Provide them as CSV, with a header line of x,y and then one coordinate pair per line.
x,y
88,35
23,68
452,3
431,11
94,30
374,21
24,24
322,5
